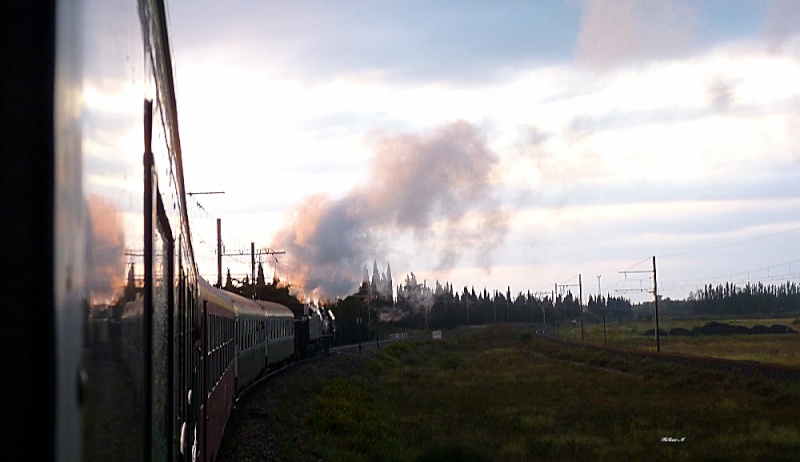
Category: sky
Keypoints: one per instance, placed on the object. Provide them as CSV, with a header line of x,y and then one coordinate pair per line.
x,y
531,145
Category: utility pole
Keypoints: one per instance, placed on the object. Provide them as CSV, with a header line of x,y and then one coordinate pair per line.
x,y
528,300
541,298
369,306
555,324
508,299
580,304
655,299
219,235
580,299
605,342
655,304
253,252
219,253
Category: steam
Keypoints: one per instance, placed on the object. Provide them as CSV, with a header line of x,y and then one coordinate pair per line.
x,y
436,187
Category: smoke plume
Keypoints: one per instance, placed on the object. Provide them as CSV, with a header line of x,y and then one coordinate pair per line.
x,y
434,187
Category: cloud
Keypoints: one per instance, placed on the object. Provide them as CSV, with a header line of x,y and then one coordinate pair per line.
x,y
783,20
721,94
409,41
617,32
436,187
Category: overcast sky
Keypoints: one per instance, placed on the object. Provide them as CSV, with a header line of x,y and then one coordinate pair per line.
x,y
495,144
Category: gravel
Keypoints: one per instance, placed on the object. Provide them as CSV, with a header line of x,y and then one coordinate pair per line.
x,y
277,406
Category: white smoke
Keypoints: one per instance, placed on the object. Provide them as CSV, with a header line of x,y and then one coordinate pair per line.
x,y
434,186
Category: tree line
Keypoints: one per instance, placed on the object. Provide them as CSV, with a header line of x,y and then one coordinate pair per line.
x,y
368,312
364,315
273,291
729,299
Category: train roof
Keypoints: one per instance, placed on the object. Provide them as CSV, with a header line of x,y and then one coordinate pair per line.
x,y
275,309
245,306
214,295
242,305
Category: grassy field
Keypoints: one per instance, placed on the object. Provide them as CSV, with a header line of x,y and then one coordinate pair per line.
x,y
499,393
770,348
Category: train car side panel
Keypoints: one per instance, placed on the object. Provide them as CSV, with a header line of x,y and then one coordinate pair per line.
x,y
280,343
251,340
220,382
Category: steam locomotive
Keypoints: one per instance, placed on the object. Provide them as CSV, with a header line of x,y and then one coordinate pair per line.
x,y
114,347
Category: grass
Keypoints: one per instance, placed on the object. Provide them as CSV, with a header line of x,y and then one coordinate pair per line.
x,y
769,348
501,394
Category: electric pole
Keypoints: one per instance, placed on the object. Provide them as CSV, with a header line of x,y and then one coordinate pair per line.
x,y
655,304
580,299
219,235
555,325
219,253
655,298
599,296
253,252
580,304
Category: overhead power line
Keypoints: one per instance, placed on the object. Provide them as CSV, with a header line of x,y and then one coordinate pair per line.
x,y
732,244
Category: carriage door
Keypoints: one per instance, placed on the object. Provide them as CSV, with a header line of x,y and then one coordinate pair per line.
x,y
159,250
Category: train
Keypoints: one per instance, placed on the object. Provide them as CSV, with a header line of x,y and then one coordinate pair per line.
x,y
243,339
114,346
239,341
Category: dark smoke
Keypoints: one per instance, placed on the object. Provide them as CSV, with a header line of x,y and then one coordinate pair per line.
x,y
436,186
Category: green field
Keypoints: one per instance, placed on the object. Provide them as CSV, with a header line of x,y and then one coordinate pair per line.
x,y
500,393
769,348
